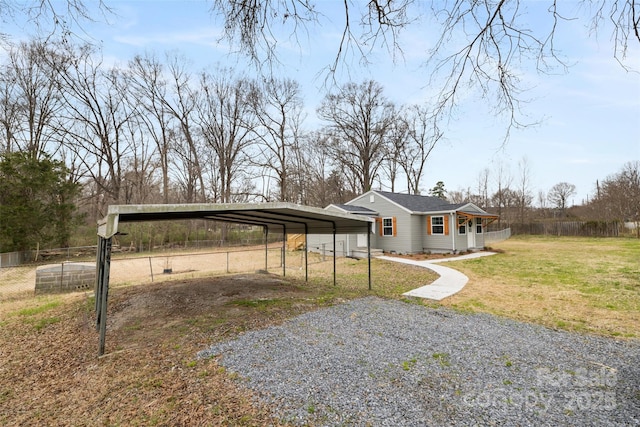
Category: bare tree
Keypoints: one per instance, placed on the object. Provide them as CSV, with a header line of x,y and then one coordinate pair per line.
x,y
48,18
228,123
298,176
182,105
506,199
396,147
457,196
501,197
254,28
96,113
483,188
423,135
560,193
359,116
10,109
278,108
483,44
186,176
619,195
525,197
315,159
31,100
140,183
542,199
150,93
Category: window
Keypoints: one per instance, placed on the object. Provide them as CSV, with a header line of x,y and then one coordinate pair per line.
x,y
437,225
478,225
462,225
387,226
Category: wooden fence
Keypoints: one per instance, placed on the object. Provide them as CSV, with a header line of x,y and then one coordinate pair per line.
x,y
570,228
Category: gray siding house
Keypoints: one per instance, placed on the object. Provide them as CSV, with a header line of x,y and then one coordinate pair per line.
x,y
407,224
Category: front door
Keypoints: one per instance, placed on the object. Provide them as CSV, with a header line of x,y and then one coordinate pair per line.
x,y
361,240
471,235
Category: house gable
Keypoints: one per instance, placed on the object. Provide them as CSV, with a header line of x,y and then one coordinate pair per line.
x,y
471,208
373,198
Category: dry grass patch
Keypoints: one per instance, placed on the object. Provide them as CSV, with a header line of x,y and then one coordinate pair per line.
x,y
580,284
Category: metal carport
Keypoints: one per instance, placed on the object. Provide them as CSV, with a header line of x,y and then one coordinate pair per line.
x,y
283,217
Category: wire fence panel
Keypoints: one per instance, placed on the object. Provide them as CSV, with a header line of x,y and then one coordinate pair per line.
x,y
170,266
13,259
497,236
16,280
156,267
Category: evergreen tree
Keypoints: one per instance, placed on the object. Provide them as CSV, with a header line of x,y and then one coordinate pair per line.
x,y
439,191
36,202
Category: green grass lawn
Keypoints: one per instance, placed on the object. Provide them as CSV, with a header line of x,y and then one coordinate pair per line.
x,y
584,284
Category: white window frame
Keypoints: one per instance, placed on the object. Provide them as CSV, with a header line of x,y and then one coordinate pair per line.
x,y
478,225
433,225
386,227
462,226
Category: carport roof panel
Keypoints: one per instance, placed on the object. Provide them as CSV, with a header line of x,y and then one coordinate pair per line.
x,y
271,215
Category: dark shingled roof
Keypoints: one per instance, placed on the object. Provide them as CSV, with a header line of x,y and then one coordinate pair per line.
x,y
355,209
416,203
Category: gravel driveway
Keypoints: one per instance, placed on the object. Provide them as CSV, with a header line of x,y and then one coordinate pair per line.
x,y
391,363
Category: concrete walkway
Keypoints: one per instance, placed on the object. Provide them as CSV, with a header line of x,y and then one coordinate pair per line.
x,y
450,281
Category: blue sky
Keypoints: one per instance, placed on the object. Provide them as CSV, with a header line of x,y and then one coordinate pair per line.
x,y
589,117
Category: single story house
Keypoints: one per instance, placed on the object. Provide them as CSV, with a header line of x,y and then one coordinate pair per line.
x,y
407,224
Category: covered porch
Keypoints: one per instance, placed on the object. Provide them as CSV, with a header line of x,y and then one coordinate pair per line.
x,y
470,230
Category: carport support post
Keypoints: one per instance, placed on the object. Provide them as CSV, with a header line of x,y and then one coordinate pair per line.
x,y
266,249
104,266
306,252
99,266
334,254
284,251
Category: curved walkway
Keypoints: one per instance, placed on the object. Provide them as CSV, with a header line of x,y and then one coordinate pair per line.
x,y
450,281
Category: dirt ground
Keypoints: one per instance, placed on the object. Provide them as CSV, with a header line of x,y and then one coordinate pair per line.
x,y
160,306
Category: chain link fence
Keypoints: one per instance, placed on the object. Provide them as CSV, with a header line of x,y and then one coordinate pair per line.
x,y
131,269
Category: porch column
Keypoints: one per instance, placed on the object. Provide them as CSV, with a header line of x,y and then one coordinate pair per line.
x,y
454,229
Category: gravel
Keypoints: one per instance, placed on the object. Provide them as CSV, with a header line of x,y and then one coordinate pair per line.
x,y
391,363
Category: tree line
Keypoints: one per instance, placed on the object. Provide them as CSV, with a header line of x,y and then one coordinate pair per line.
x,y
511,195
153,131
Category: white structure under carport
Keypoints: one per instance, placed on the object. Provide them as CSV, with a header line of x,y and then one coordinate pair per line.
x,y
286,218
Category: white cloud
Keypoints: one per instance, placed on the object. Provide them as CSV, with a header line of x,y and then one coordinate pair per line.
x,y
199,36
